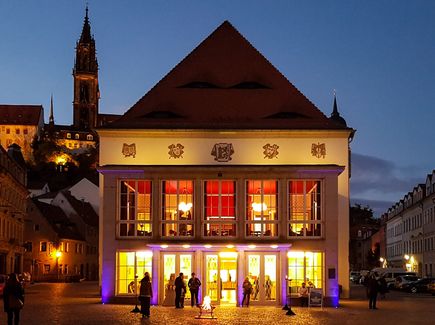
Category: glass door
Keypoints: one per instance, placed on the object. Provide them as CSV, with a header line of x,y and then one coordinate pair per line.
x,y
262,273
221,277
173,264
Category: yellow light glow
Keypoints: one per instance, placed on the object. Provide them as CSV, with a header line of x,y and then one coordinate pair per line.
x,y
252,246
143,254
228,254
381,259
206,303
295,254
58,254
273,246
258,207
230,246
208,246
60,160
406,257
186,246
185,206
164,246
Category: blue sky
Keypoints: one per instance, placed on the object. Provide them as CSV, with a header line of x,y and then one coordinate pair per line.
x,y
378,55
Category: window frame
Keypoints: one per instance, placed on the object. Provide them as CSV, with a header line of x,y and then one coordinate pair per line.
x,y
306,221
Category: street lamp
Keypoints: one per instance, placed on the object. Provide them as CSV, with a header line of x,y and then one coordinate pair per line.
x,y
58,255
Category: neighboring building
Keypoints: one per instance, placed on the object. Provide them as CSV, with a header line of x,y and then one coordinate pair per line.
x,y
13,196
55,250
225,169
37,188
87,191
410,230
378,242
21,124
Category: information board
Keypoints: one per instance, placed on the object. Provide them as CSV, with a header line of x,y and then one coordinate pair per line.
x,y
315,298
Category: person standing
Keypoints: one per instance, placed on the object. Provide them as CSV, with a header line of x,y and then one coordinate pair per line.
x,y
146,293
194,285
179,288
13,299
303,295
247,290
372,291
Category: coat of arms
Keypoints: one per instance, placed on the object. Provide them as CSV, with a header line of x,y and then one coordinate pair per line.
x,y
176,151
222,152
270,151
129,150
318,150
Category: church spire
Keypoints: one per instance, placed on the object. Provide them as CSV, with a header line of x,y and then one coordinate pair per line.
x,y
51,118
335,116
86,31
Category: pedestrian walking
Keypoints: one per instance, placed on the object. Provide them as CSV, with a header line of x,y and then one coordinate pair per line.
x,y
180,288
145,295
372,290
247,290
194,284
13,299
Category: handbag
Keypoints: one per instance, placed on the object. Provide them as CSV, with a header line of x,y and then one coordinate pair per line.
x,y
15,302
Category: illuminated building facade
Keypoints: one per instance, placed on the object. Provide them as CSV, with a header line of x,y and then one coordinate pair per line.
x,y
224,169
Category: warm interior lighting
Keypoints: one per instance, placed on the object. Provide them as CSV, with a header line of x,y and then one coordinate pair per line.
x,y
230,246
184,206
295,254
143,254
186,246
58,254
228,254
252,246
164,246
406,257
258,207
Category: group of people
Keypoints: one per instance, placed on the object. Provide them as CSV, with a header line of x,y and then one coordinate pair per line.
x,y
304,292
375,284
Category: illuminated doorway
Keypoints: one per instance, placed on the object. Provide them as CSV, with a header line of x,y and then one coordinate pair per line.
x,y
221,277
173,264
262,272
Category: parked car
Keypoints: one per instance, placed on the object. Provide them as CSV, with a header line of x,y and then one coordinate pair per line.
x,y
390,274
417,286
402,280
431,288
3,279
354,276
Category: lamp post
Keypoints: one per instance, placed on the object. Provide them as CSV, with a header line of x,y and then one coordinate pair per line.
x,y
58,255
290,312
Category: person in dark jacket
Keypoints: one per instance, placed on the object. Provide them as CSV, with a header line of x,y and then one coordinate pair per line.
x,y
13,299
145,295
372,290
179,288
194,285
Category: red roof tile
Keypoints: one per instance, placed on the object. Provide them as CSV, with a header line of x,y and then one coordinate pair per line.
x,y
224,83
21,114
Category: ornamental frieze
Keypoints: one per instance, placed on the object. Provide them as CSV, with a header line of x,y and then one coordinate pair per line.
x,y
176,151
129,150
318,150
222,152
270,151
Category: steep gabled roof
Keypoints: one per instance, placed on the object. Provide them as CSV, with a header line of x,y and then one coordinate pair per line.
x,y
20,114
83,209
224,83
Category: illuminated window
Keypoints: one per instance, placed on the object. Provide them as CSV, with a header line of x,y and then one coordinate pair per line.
x,y
177,208
305,267
305,208
130,265
220,208
68,135
90,137
135,208
77,136
261,208
43,246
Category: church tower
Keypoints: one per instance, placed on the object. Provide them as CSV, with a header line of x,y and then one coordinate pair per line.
x,y
85,74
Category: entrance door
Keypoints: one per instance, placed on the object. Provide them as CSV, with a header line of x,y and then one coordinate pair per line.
x,y
173,264
262,272
221,277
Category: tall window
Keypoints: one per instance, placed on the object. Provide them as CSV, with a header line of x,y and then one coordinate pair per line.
x,y
305,267
305,208
130,264
135,208
219,208
261,208
177,208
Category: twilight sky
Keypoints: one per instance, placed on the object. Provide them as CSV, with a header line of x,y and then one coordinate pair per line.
x,y
379,55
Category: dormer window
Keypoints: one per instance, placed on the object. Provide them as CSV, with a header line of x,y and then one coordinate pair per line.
x,y
90,137
68,135
77,136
